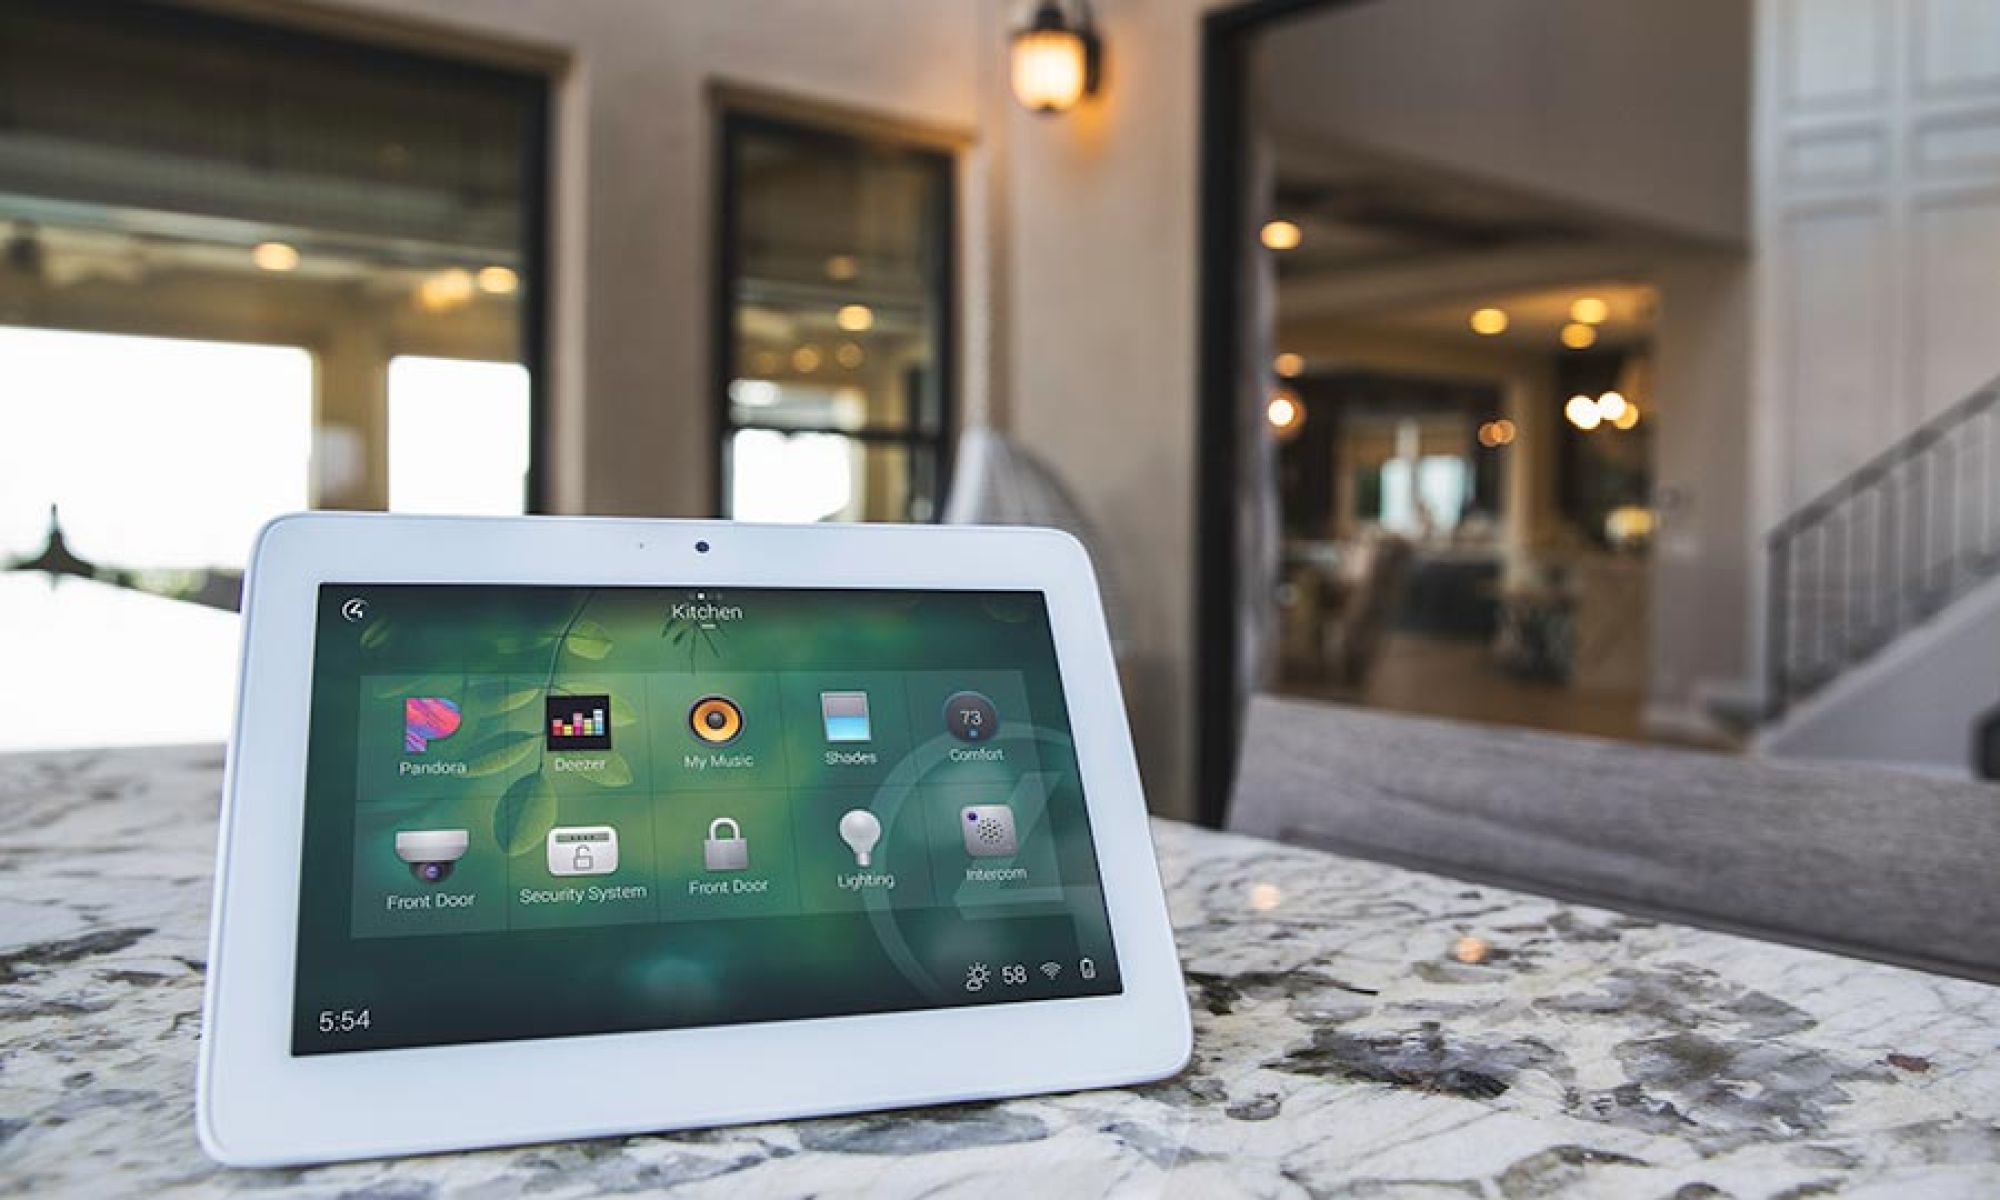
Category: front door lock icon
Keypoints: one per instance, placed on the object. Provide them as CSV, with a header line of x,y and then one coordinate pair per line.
x,y
730,853
583,850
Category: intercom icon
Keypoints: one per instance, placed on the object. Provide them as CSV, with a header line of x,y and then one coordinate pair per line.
x,y
583,850
720,853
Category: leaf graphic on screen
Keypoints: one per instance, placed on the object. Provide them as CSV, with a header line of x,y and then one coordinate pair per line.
x,y
615,772
520,643
501,753
428,685
377,633
500,695
588,639
526,812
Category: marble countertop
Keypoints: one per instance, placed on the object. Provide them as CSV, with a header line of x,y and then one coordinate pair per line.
x,y
1343,1047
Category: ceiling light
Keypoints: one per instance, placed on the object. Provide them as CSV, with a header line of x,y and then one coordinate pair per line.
x,y
499,281
1281,235
1590,310
1578,336
1497,433
445,290
1628,418
1056,62
806,359
275,256
1289,366
1284,412
1487,322
849,355
1582,413
855,318
1611,406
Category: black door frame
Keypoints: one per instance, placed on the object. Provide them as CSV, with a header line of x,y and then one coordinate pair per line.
x,y
1227,36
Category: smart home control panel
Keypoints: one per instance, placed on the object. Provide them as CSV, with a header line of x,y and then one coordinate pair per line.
x,y
549,828
534,811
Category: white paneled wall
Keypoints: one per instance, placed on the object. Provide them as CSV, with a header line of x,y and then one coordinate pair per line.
x,y
1878,171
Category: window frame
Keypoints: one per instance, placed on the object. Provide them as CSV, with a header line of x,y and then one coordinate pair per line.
x,y
736,117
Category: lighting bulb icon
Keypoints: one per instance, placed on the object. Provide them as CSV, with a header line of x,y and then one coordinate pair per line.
x,y
860,830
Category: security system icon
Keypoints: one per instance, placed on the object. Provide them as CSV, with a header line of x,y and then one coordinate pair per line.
x,y
431,852
726,848
1086,968
583,850
971,717
988,830
716,720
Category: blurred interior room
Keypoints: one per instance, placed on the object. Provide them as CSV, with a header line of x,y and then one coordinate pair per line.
x,y
1607,370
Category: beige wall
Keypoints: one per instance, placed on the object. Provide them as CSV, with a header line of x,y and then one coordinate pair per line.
x,y
1099,347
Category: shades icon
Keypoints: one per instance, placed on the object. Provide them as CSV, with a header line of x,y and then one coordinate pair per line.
x,y
428,719
845,715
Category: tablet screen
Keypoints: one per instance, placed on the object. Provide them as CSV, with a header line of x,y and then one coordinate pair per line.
x,y
539,812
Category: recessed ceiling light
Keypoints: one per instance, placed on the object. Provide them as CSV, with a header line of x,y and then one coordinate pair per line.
x,y
855,318
1487,322
1289,365
1582,413
1591,310
1281,235
275,256
499,281
1578,336
1284,411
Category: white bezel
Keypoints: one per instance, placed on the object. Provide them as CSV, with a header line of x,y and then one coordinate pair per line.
x,y
258,1105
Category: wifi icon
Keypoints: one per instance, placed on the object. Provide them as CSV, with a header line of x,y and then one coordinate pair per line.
x,y
1051,969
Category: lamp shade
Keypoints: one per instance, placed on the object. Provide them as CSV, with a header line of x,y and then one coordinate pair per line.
x,y
1054,63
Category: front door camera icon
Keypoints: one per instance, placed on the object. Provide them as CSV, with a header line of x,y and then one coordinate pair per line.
x,y
583,850
431,852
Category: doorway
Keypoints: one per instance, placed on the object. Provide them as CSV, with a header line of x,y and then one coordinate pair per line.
x,y
1438,253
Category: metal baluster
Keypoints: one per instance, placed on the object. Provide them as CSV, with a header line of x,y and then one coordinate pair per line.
x,y
1777,653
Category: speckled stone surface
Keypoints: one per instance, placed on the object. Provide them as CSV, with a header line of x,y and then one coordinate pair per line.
x,y
1341,1048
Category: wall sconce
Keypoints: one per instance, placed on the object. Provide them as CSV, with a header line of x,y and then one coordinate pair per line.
x,y
1056,63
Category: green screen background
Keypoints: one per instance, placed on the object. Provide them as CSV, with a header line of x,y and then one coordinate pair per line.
x,y
506,971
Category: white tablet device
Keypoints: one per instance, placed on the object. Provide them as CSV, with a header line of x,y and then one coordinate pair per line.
x,y
555,828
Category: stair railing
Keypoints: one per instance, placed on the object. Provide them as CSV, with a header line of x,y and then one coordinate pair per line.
x,y
1884,550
